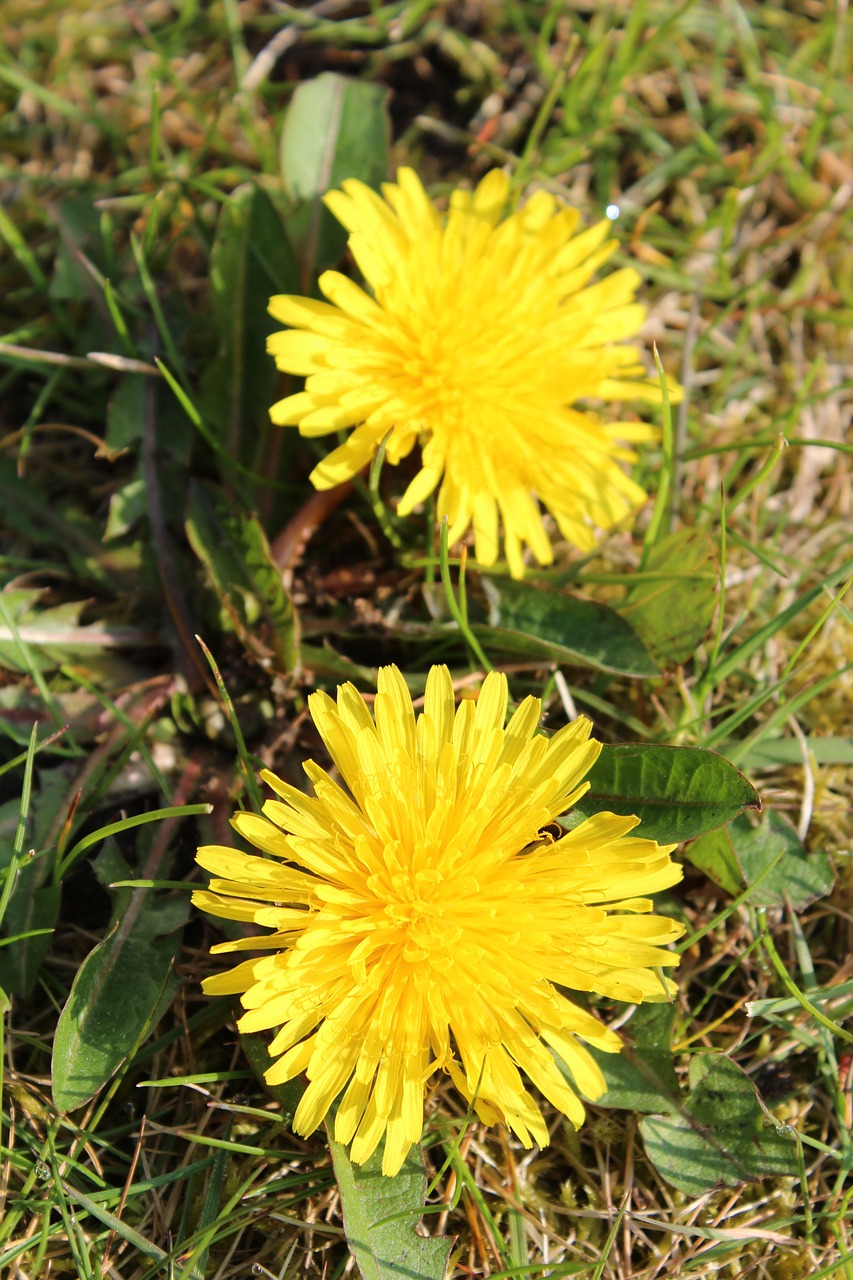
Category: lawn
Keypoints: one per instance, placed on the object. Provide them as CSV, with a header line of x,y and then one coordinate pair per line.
x,y
175,593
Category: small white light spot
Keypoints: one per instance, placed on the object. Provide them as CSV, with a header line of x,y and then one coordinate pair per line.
x,y
612,212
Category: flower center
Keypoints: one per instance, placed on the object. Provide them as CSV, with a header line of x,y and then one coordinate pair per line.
x,y
439,375
420,913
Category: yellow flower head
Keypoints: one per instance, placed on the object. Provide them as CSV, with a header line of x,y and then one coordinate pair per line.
x,y
422,921
479,334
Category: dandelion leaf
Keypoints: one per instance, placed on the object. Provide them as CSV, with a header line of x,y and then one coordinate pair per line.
x,y
678,793
251,260
336,128
719,1136
37,639
233,548
120,992
33,901
797,877
527,620
672,609
286,1095
380,1215
641,1077
770,857
713,854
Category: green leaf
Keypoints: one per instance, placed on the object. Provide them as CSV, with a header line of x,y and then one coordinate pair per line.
x,y
335,129
641,1077
718,1136
57,523
34,639
380,1215
33,907
120,992
533,621
286,1095
741,855
772,752
673,608
128,505
34,900
233,548
797,877
713,854
23,506
328,663
78,220
676,792
251,260
126,414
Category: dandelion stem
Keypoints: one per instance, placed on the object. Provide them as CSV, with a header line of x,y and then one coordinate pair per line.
x,y
459,614
379,508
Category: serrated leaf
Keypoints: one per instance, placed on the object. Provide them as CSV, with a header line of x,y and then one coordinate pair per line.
x,y
672,611
380,1215
58,524
233,548
251,260
797,877
335,128
718,1137
676,792
121,990
22,504
325,661
533,621
744,854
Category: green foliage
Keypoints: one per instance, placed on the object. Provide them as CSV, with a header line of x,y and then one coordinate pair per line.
x,y
642,1077
234,550
286,1095
534,622
29,922
30,895
676,792
672,607
121,990
42,639
713,855
773,854
769,855
719,1136
380,1216
250,261
335,128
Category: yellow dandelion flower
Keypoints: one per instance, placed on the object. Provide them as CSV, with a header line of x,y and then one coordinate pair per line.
x,y
423,923
479,335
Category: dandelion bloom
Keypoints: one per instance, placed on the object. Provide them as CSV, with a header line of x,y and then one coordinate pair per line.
x,y
480,334
422,921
